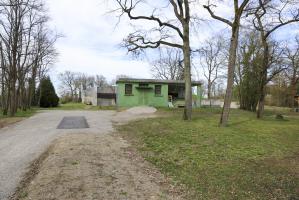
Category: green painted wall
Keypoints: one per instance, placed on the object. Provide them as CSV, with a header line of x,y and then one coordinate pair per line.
x,y
142,96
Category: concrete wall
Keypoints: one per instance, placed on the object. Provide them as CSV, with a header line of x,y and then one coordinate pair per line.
x,y
106,102
89,96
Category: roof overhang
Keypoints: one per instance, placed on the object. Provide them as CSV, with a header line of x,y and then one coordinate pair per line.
x,y
156,81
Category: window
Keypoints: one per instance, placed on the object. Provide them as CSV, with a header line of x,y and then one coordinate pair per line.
x,y
128,89
158,91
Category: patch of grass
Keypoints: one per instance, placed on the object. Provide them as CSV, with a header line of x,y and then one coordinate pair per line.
x,y
5,120
20,113
23,195
249,159
75,162
123,193
79,106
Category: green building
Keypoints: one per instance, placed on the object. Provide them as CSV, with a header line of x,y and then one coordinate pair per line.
x,y
152,92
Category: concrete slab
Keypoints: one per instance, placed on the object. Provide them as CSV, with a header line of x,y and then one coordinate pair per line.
x,y
73,122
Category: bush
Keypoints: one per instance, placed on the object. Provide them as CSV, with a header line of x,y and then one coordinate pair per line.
x,y
48,96
66,99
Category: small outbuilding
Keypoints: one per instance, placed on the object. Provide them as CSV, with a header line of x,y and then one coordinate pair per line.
x,y
152,92
99,96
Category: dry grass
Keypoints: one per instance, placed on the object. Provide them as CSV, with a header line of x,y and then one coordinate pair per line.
x,y
9,121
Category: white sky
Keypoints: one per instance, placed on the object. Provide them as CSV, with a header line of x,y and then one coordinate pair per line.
x,y
90,42
91,39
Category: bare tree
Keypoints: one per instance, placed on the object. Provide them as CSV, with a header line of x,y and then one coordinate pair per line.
x,y
212,61
163,35
235,27
268,17
292,72
44,56
100,81
169,66
21,54
67,83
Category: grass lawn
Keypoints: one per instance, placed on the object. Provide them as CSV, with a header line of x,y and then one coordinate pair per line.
x,y
249,159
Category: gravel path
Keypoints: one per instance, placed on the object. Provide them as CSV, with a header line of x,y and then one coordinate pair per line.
x,y
23,142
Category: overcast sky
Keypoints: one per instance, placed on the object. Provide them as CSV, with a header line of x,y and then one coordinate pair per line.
x,y
91,38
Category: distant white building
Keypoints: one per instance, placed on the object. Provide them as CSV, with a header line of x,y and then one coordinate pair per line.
x,y
99,96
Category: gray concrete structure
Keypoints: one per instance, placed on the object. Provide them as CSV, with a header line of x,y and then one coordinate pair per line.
x,y
99,96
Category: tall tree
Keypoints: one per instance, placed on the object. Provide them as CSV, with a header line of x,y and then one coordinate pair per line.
x,y
268,17
292,72
235,27
162,35
247,73
22,27
48,96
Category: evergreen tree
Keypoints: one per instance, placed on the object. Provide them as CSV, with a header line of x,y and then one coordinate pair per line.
x,y
48,96
250,58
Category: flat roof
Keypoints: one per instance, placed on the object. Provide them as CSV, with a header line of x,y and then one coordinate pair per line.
x,y
135,80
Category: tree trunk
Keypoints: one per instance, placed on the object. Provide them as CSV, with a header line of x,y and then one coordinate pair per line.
x,y
230,74
261,104
13,99
209,91
188,84
263,82
3,97
293,89
32,86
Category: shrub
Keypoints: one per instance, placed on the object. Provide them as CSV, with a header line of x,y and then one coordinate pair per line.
x,y
66,99
48,96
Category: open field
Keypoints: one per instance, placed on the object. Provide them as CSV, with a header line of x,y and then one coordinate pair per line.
x,y
249,159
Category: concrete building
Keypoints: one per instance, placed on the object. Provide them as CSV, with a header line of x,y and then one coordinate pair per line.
x,y
157,93
99,96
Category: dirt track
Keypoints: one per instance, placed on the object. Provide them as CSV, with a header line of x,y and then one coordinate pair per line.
x,y
25,141
96,167
81,164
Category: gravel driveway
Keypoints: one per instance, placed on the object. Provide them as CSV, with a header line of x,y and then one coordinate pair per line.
x,y
23,142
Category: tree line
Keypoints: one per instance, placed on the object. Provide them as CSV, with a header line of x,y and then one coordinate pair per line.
x,y
252,58
26,52
72,85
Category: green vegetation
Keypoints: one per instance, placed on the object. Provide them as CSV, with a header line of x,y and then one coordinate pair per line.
x,y
5,120
48,96
20,114
79,106
249,159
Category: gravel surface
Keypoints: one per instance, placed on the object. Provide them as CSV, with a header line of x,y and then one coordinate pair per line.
x,y
141,110
23,142
94,167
